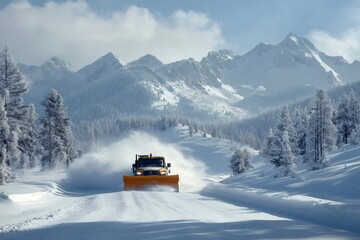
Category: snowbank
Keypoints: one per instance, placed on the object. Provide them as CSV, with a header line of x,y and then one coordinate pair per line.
x,y
336,216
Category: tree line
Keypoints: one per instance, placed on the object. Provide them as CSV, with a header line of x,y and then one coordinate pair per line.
x,y
306,135
312,134
23,143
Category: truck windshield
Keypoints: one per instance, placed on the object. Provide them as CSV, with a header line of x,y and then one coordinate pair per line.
x,y
151,162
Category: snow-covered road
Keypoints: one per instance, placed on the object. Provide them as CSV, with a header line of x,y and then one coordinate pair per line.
x,y
55,214
86,201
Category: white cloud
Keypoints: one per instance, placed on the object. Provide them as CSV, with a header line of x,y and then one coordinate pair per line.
x,y
72,31
346,45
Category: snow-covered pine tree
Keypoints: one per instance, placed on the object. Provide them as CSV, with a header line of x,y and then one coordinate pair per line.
x,y
300,125
312,141
284,125
343,121
288,158
13,148
28,141
213,132
12,89
190,130
5,171
240,161
299,130
321,132
235,162
274,152
58,143
355,136
69,141
268,145
354,109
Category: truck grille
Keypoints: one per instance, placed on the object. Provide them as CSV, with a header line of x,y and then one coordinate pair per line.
x,y
151,173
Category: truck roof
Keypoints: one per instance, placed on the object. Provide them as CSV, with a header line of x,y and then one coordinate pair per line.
x,y
149,156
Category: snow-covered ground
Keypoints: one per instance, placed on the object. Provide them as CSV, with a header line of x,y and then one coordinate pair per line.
x,y
87,201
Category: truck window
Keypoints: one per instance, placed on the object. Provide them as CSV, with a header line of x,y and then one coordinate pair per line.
x,y
151,162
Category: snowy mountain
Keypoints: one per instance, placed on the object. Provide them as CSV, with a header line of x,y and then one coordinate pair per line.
x,y
101,68
222,84
42,78
52,70
148,61
289,70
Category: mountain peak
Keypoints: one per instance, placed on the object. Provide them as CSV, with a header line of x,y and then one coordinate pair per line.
x,y
104,65
223,54
108,59
260,49
57,64
292,36
55,59
293,41
218,59
148,60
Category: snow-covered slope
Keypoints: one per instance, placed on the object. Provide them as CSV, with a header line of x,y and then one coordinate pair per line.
x,y
52,70
87,201
148,61
220,85
293,62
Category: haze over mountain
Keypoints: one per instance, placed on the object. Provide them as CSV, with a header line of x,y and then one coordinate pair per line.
x,y
222,84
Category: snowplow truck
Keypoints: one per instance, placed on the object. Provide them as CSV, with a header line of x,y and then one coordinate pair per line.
x,y
150,172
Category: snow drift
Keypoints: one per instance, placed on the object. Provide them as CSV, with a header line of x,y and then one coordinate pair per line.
x,y
102,170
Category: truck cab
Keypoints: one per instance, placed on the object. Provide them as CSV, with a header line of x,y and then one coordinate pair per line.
x,y
151,172
149,165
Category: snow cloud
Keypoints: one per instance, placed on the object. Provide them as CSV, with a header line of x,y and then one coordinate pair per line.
x,y
345,44
102,170
74,32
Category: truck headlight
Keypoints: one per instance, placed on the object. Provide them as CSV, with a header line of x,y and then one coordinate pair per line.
x,y
138,173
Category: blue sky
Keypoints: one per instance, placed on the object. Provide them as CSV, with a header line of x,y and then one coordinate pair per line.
x,y
173,29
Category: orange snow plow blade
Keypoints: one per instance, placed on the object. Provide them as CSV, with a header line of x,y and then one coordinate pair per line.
x,y
149,182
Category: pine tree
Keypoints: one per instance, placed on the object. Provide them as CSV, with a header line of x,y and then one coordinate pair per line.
x,y
355,137
240,161
288,158
28,141
343,121
190,130
320,136
299,130
300,125
58,143
284,125
268,145
12,89
5,171
354,109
